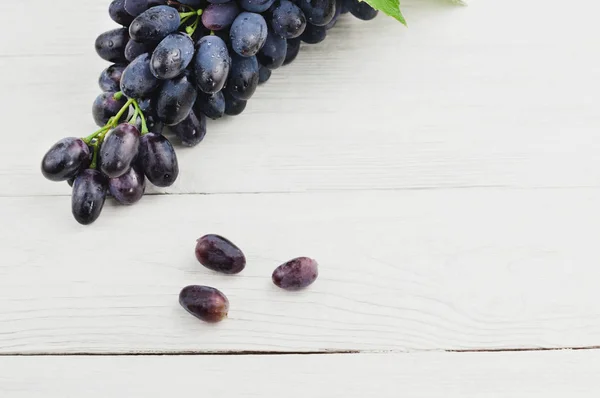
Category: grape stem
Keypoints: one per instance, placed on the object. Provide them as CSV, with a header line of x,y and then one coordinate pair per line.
x,y
98,136
139,112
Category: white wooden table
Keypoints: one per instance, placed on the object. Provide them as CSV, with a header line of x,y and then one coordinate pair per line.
x,y
446,177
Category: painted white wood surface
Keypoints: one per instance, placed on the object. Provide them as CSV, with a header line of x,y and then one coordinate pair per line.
x,y
406,270
571,374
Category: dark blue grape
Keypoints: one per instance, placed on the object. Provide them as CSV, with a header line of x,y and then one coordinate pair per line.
x,y
313,34
65,159
134,49
296,274
119,149
338,11
205,303
362,10
88,196
345,6
211,105
211,64
172,56
256,5
158,160
288,20
234,106
264,74
219,16
117,12
293,48
193,3
110,78
137,80
106,106
192,130
110,45
318,12
136,7
175,100
248,34
243,78
129,188
273,52
155,24
219,254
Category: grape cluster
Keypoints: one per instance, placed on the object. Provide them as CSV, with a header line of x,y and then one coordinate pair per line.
x,y
175,64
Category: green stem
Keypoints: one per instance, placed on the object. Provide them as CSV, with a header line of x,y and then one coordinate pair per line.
x,y
90,137
135,115
192,28
184,20
118,95
187,14
141,114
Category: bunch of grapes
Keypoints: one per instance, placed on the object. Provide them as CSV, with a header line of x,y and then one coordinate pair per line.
x,y
176,63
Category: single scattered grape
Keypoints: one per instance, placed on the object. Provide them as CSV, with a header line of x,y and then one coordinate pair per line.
x,y
296,274
205,303
219,254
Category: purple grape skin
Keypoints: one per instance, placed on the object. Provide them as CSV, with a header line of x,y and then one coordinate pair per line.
x,y
129,188
293,48
110,45
314,34
134,49
158,160
220,255
211,64
119,149
65,159
243,78
234,106
136,7
155,24
110,78
192,130
211,105
248,33
288,20
272,54
338,11
317,12
172,56
219,16
264,74
89,195
362,10
175,100
296,274
106,106
137,80
205,303
117,12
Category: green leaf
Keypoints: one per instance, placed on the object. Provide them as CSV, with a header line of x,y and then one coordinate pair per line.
x,y
392,7
389,7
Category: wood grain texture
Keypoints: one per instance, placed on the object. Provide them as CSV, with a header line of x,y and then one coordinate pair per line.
x,y
499,93
432,375
414,270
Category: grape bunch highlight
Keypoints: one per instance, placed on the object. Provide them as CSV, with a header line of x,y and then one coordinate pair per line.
x,y
175,64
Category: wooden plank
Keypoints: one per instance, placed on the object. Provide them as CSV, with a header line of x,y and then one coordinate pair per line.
x,y
506,375
414,270
467,96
